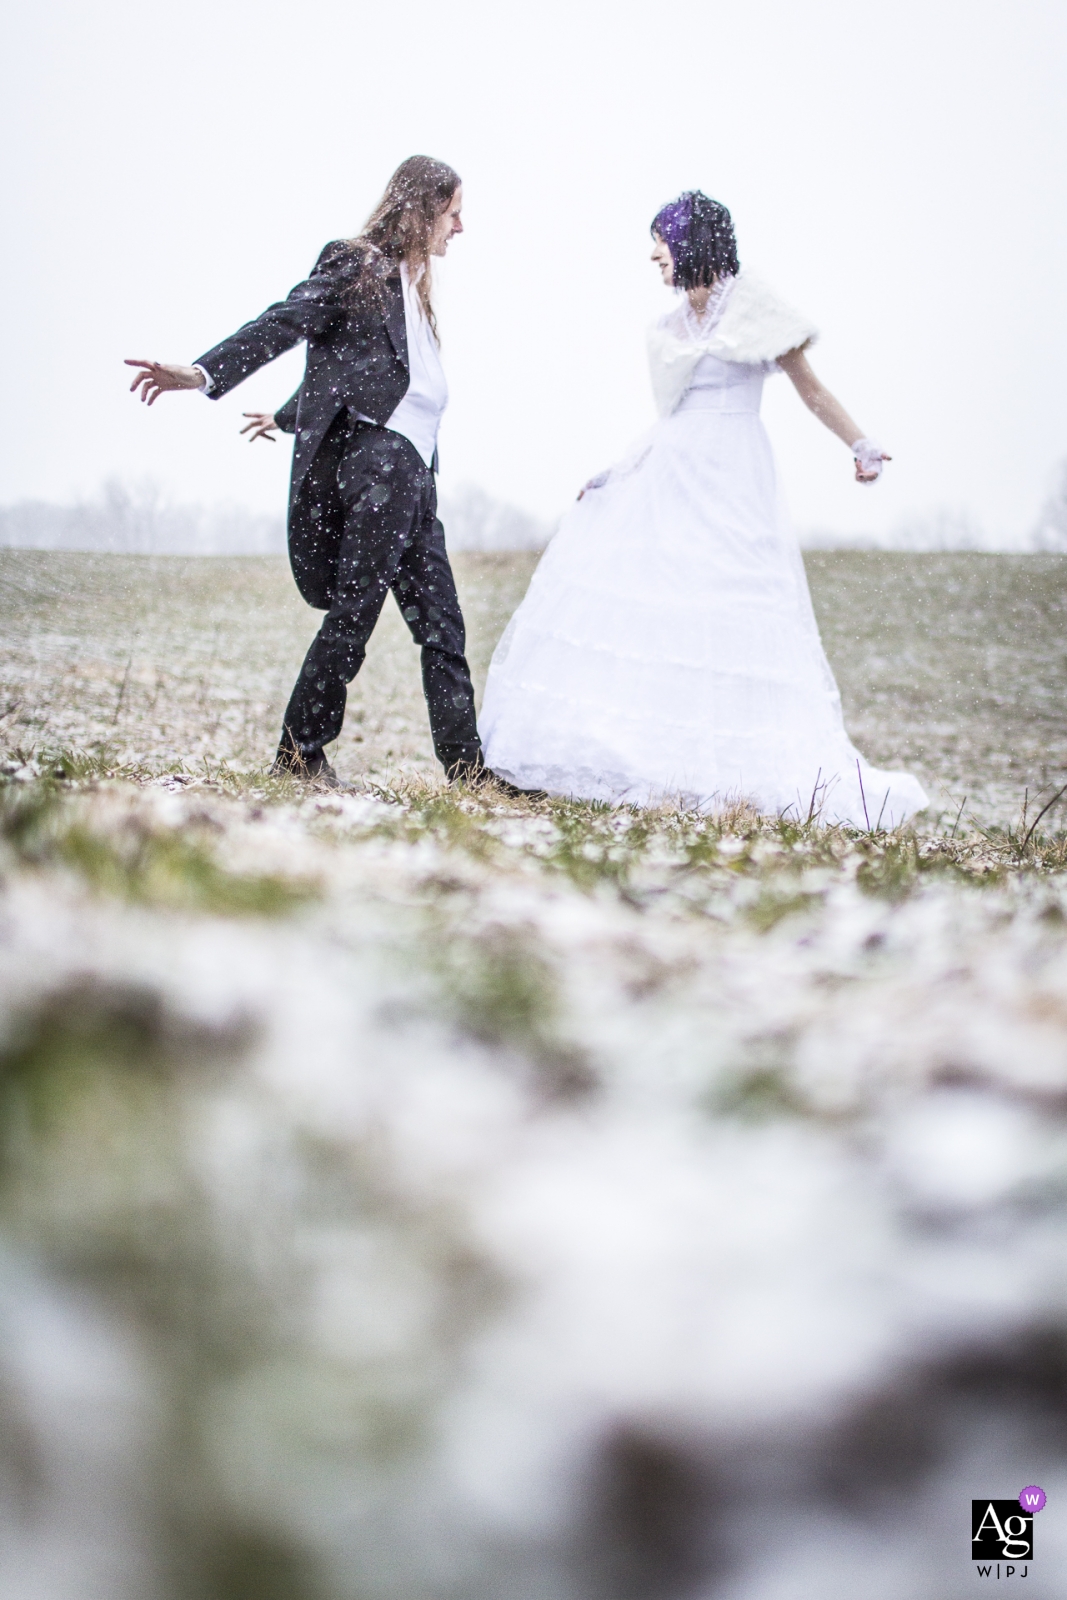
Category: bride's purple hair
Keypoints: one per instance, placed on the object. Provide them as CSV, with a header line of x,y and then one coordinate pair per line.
x,y
699,233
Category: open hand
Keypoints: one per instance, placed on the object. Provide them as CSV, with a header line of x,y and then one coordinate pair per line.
x,y
867,474
155,377
260,426
870,458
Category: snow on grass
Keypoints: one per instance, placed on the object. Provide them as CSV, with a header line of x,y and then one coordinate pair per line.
x,y
442,1195
417,1193
950,665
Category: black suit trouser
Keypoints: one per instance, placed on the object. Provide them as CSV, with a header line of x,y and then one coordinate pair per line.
x,y
391,539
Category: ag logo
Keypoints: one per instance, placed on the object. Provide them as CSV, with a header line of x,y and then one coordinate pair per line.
x,y
1001,1530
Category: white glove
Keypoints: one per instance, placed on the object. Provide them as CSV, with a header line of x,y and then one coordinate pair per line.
x,y
869,455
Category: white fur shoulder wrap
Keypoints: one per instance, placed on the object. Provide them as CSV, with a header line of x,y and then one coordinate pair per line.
x,y
753,327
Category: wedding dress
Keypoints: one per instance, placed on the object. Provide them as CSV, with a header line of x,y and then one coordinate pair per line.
x,y
667,650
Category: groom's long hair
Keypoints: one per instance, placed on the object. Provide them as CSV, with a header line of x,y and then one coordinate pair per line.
x,y
400,228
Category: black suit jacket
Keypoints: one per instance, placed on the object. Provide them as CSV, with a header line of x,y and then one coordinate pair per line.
x,y
357,360
285,416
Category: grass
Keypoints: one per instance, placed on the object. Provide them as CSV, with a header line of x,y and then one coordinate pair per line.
x,y
599,848
134,858
757,1094
170,661
503,992
57,1052
125,669
735,863
308,1213
953,665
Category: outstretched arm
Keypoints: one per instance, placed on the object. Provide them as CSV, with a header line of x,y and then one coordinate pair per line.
x,y
818,399
308,311
156,377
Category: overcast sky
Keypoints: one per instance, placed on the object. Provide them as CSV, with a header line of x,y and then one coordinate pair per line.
x,y
897,171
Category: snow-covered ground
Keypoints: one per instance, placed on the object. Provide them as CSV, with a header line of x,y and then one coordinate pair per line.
x,y
410,1195
950,665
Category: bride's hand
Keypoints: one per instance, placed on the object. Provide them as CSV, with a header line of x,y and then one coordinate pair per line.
x,y
261,425
156,377
869,458
867,474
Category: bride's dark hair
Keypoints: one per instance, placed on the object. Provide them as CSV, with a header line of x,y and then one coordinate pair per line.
x,y
400,228
699,233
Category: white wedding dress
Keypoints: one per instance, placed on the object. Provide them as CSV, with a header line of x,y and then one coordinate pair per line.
x,y
666,650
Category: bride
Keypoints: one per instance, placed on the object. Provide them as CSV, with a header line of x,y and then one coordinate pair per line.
x,y
666,650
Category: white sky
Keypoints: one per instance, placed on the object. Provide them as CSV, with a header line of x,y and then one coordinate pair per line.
x,y
894,170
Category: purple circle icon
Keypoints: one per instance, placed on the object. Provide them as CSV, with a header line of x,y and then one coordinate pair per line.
x,y
1032,1498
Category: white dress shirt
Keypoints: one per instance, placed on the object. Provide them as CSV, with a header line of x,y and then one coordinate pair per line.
x,y
418,416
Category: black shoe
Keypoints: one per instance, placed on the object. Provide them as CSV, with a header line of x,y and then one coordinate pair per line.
x,y
472,773
310,766
513,791
476,775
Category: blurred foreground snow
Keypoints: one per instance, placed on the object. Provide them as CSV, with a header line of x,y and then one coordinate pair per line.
x,y
538,1204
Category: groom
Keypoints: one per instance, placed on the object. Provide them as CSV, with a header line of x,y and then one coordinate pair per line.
x,y
362,500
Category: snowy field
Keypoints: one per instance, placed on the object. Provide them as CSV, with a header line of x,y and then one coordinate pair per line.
x,y
954,665
415,1195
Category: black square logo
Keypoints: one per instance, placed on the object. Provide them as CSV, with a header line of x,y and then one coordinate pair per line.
x,y
1001,1531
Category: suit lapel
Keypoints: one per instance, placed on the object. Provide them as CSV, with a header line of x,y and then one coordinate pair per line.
x,y
394,320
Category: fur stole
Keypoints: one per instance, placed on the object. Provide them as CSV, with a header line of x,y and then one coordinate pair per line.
x,y
754,328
